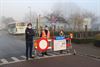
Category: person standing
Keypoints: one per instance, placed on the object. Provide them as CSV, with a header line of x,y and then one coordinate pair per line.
x,y
45,34
29,33
61,33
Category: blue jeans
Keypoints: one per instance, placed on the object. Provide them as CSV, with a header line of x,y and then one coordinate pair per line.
x,y
29,48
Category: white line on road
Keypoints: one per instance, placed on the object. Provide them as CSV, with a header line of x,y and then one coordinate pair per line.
x,y
56,53
23,57
15,59
51,54
4,61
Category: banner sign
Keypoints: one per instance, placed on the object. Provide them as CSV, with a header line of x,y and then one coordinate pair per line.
x,y
59,45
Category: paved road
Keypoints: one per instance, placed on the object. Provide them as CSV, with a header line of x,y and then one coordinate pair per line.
x,y
10,45
63,61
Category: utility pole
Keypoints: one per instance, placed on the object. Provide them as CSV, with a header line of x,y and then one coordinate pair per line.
x,y
37,23
30,14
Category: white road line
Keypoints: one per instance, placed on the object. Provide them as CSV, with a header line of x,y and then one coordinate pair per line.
x,y
11,62
23,57
69,54
51,54
57,53
4,61
65,52
15,59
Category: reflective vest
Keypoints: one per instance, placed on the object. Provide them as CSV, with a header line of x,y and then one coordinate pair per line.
x,y
44,34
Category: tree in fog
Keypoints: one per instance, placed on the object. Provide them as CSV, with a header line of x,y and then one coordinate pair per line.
x,y
30,17
73,15
65,9
77,20
62,11
7,20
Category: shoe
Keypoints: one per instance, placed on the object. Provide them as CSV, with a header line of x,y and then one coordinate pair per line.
x,y
61,52
46,54
42,54
32,57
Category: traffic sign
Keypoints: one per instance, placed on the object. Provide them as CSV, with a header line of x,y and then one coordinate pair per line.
x,y
42,44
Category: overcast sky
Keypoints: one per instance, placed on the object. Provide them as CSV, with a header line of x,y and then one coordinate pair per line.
x,y
18,8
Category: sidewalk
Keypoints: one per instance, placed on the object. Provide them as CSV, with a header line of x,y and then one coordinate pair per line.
x,y
63,61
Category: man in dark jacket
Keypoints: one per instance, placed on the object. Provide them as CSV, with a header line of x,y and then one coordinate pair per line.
x,y
29,33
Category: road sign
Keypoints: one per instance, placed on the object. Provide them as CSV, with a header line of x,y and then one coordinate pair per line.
x,y
42,44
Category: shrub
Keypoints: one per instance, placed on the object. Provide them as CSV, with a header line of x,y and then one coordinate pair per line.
x,y
82,41
97,40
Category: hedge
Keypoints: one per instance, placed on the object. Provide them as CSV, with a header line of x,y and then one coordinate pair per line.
x,y
82,41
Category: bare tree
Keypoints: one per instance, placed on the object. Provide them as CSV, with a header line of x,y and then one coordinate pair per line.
x,y
77,20
62,10
7,20
30,18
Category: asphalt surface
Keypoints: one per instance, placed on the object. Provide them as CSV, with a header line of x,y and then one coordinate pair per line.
x,y
63,61
10,45
87,49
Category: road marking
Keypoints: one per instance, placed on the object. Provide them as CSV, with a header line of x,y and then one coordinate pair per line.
x,y
51,54
57,53
4,61
15,59
23,57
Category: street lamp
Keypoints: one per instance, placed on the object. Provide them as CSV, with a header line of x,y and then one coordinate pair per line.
x,y
30,14
37,22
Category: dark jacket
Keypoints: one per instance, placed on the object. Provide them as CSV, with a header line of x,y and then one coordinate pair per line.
x,y
29,33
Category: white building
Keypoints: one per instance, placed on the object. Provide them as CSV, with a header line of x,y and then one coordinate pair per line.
x,y
87,22
96,25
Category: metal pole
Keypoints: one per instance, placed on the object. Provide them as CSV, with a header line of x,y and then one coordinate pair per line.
x,y
37,25
30,14
38,21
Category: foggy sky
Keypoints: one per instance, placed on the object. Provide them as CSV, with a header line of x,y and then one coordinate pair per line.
x,y
18,8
